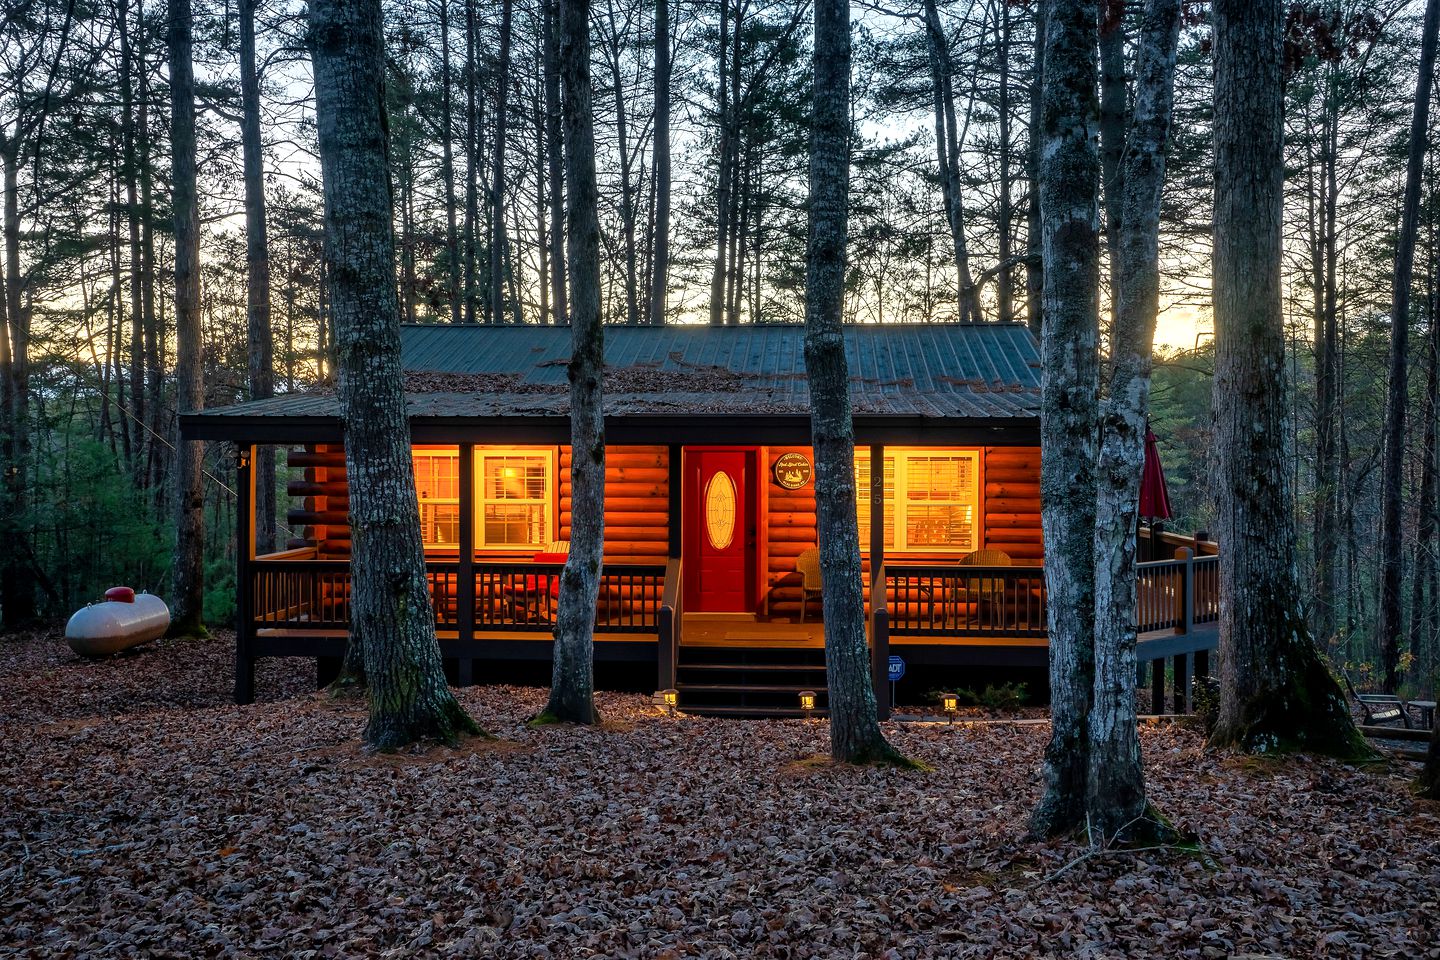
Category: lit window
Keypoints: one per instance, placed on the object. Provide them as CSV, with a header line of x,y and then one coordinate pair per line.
x,y
933,498
437,485
513,494
513,498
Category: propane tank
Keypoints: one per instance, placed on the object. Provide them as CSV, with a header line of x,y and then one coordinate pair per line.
x,y
124,620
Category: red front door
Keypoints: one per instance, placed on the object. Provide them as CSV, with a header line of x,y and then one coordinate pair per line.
x,y
719,544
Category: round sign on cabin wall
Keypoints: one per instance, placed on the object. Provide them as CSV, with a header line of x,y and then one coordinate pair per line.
x,y
792,470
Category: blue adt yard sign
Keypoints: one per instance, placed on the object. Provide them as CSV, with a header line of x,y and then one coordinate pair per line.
x,y
896,668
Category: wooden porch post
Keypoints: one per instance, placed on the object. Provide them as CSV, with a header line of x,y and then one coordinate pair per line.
x,y
671,618
1185,599
244,555
465,588
1182,683
879,631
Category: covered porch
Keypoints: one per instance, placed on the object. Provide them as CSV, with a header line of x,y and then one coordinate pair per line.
x,y
956,610
711,532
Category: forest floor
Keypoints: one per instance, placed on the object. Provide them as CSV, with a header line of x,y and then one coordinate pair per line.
x,y
142,815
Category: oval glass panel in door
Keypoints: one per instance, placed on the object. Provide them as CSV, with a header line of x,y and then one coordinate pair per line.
x,y
720,510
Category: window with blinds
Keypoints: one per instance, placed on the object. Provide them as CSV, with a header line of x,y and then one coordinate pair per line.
x,y
933,498
514,498
514,492
437,485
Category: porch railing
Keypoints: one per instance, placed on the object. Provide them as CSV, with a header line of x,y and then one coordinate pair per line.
x,y
316,594
955,600
951,600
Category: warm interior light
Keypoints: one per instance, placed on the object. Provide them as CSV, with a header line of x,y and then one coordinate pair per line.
x,y
667,700
950,702
807,700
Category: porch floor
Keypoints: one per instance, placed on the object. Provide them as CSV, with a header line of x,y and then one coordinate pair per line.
x,y
709,630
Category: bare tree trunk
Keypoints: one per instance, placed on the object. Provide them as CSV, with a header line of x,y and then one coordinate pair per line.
x,y
1423,579
1035,262
723,177
153,324
447,169
1276,693
572,685
1069,182
1327,484
628,206
133,216
17,585
189,570
1112,135
472,159
257,256
499,239
393,622
555,147
660,271
855,735
947,148
1005,280
1116,799
1391,612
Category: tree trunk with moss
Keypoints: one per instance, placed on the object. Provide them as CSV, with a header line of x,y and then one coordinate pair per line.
x,y
1070,241
1116,791
855,735
391,615
572,685
1275,692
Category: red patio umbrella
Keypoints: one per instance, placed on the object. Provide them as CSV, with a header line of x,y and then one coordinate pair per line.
x,y
1154,498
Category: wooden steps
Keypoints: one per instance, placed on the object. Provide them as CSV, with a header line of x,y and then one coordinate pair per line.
x,y
749,681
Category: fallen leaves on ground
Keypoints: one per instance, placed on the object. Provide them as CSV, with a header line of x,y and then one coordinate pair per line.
x,y
142,815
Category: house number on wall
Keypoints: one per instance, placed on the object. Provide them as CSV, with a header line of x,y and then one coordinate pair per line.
x,y
792,471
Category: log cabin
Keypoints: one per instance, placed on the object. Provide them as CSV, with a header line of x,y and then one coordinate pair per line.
x,y
711,582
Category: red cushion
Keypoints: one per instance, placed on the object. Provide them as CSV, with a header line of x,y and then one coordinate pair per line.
x,y
551,557
533,584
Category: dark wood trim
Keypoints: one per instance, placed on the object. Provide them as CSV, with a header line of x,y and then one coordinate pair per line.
x,y
675,458
244,556
728,429
879,629
465,589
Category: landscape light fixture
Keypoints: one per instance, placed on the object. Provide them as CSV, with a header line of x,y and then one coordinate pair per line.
x,y
950,703
667,700
807,702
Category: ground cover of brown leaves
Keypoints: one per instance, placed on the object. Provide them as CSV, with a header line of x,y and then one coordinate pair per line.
x,y
141,815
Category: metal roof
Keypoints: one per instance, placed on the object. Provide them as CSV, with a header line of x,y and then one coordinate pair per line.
x,y
972,373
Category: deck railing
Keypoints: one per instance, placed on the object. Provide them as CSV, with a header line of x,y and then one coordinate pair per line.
x,y
309,594
954,600
957,600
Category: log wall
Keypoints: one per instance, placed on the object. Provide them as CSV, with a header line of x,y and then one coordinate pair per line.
x,y
320,501
1010,521
1011,504
637,492
637,503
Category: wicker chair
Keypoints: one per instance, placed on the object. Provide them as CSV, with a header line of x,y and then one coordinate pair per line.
x,y
986,588
808,566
